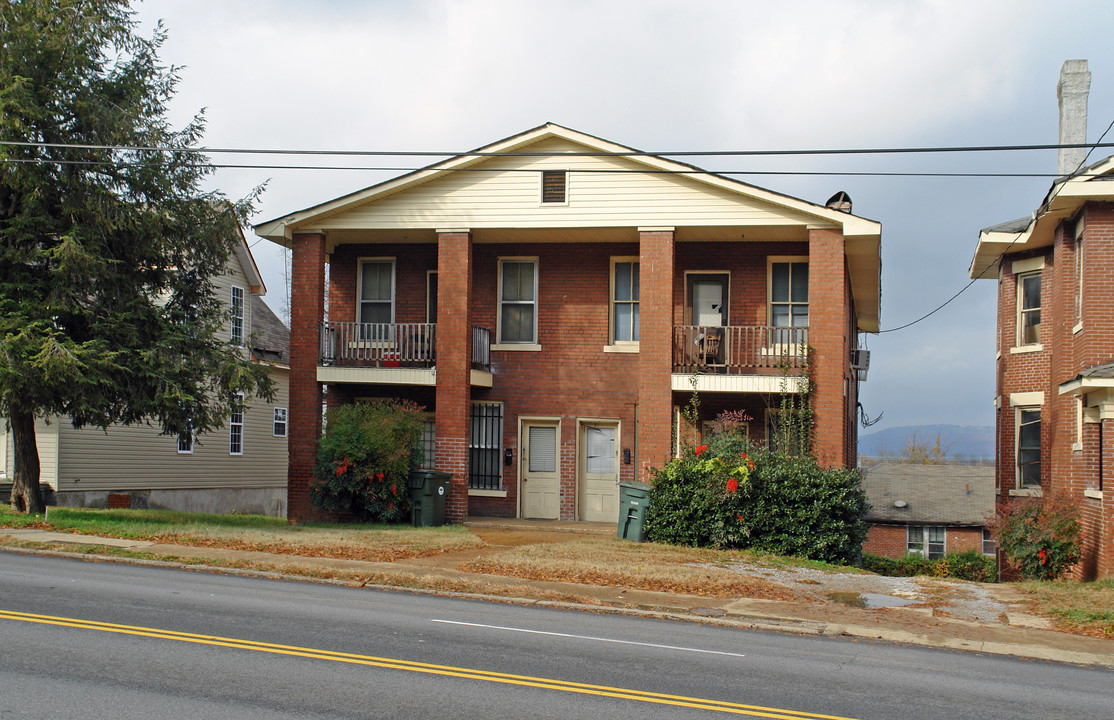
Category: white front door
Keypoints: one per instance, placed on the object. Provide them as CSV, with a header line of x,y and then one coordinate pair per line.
x,y
540,479
599,473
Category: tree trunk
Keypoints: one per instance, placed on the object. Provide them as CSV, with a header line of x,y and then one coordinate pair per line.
x,y
26,494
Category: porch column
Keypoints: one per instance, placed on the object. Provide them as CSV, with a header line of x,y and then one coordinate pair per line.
x,y
307,310
655,355
829,319
454,364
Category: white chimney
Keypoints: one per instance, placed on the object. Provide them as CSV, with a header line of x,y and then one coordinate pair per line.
x,y
1072,91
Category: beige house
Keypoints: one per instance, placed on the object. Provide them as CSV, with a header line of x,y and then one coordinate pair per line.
x,y
241,467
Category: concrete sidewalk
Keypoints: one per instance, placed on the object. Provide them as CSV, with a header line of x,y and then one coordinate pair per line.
x,y
892,624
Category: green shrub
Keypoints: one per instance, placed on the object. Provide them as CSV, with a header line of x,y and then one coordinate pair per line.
x,y
970,565
777,504
966,565
365,458
1038,536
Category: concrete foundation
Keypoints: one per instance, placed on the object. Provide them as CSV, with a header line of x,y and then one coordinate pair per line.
x,y
253,501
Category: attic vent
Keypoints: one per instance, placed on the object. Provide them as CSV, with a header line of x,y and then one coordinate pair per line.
x,y
553,186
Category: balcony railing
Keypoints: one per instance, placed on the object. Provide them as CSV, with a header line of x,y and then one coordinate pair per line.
x,y
738,350
411,345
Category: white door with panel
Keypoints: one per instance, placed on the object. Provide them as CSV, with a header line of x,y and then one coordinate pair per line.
x,y
599,473
540,477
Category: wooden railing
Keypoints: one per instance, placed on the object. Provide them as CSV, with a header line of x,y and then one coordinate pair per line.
x,y
738,349
392,345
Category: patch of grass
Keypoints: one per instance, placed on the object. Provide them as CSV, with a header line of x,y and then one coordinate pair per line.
x,y
260,533
1086,608
643,566
11,519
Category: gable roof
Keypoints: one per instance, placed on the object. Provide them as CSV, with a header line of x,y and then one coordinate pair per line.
x,y
1063,200
862,236
270,341
933,494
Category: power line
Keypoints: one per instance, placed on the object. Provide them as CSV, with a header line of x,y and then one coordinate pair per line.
x,y
992,263
623,153
613,171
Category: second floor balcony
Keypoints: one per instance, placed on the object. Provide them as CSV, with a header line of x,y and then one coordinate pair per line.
x,y
740,350
393,348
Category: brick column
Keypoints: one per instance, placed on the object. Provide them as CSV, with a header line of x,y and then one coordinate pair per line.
x,y
655,357
454,365
307,310
829,317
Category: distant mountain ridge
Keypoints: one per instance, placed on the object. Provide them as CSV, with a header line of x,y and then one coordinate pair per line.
x,y
957,440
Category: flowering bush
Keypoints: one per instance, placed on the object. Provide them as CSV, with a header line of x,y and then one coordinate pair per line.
x,y
365,458
729,494
1039,537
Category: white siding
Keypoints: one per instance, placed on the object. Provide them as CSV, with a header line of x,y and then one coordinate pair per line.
x,y
222,286
46,439
505,195
139,458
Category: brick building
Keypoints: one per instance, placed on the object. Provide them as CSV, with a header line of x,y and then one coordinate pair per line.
x,y
928,509
548,297
1055,338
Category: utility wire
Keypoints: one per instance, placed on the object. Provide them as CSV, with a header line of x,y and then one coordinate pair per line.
x,y
613,171
622,153
1055,191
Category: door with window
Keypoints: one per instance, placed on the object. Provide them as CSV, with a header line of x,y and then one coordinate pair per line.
x,y
540,484
599,472
707,309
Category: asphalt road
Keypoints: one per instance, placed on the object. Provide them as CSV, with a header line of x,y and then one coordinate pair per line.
x,y
93,639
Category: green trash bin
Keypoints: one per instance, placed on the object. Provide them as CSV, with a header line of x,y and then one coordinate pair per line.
x,y
633,500
429,489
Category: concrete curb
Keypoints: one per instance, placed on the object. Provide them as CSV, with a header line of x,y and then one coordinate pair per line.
x,y
740,619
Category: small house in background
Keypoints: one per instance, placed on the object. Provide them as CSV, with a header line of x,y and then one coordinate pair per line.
x,y
928,509
238,468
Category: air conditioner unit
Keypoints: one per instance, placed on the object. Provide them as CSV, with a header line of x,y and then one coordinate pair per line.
x,y
860,362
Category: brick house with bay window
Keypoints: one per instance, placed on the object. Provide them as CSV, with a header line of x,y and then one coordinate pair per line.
x,y
548,298
1055,340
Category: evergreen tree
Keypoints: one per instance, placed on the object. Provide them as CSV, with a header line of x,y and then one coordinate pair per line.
x,y
107,242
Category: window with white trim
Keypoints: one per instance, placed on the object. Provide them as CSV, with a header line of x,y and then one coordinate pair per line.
x,y
989,547
624,300
236,429
185,442
375,291
237,311
518,304
927,540
485,446
1028,447
278,428
788,285
1029,308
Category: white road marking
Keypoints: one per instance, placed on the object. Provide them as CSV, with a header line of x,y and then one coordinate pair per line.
x,y
589,637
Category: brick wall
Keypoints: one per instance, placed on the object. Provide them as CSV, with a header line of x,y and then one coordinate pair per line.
x,y
892,540
454,358
307,307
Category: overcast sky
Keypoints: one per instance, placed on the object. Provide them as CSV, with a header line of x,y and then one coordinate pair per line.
x,y
457,74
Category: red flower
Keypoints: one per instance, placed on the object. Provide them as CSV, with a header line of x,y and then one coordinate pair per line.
x,y
700,449
750,464
379,476
1043,556
743,455
394,489
732,485
342,467
390,506
740,517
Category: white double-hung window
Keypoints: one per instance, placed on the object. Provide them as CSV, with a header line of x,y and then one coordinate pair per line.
x,y
236,429
518,301
238,315
624,300
1029,308
376,291
1028,447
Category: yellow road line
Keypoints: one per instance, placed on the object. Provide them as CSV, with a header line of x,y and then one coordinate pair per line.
x,y
428,668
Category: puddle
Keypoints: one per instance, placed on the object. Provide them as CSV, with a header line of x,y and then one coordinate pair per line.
x,y
868,601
